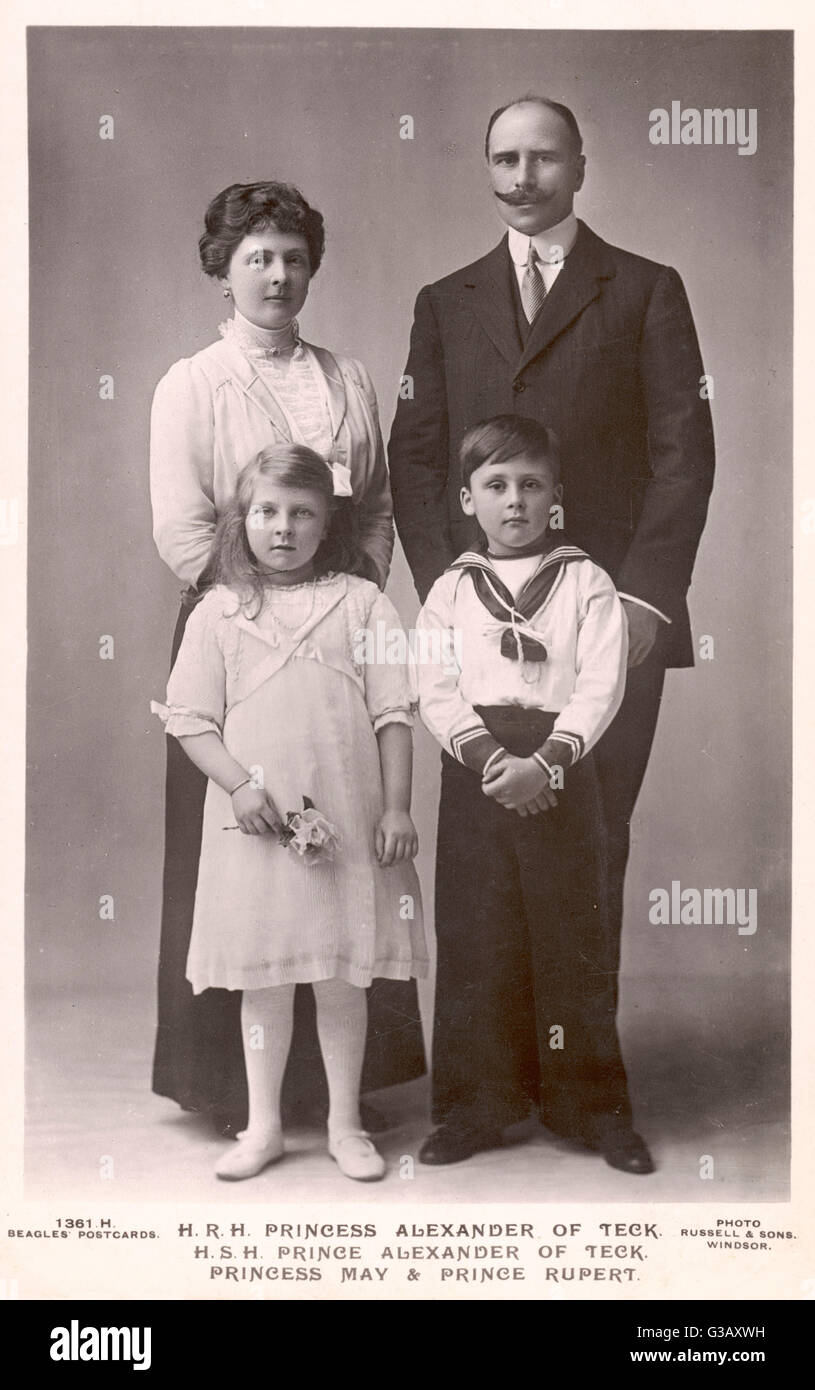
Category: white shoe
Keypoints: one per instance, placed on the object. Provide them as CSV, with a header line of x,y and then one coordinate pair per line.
x,y
246,1158
356,1157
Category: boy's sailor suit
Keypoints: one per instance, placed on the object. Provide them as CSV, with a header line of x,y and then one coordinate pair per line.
x,y
526,980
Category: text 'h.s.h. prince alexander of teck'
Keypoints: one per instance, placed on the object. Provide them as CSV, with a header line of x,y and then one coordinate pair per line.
x,y
599,345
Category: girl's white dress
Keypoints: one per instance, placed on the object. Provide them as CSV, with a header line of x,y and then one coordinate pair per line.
x,y
297,703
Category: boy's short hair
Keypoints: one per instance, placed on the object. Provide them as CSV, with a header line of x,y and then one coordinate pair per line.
x,y
506,437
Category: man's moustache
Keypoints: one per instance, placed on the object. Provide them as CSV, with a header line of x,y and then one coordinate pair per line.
x,y
519,199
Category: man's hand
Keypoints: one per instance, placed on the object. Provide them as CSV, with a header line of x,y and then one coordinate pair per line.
x,y
643,626
518,784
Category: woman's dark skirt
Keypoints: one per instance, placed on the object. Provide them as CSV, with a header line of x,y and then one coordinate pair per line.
x,y
199,1055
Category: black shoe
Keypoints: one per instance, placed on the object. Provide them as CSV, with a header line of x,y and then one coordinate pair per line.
x,y
622,1148
450,1145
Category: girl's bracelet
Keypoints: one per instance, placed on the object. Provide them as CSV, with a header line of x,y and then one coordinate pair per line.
x,y
240,784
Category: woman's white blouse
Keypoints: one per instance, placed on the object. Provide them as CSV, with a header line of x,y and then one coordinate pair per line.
x,y
215,411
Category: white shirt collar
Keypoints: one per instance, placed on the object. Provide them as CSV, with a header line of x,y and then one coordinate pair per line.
x,y
551,245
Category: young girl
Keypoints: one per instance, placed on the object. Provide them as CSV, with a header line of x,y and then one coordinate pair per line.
x,y
269,697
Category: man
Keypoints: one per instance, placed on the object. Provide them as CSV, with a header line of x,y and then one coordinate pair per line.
x,y
599,345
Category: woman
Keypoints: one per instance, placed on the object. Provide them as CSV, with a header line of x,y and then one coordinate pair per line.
x,y
258,386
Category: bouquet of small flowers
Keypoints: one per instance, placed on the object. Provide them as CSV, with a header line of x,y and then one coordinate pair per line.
x,y
309,834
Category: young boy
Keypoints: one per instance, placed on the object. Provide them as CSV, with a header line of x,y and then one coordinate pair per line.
x,y
526,976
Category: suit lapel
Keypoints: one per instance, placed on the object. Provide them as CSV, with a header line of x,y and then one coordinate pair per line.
x,y
490,299
580,281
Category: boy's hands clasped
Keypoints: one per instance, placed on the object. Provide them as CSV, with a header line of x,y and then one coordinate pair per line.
x,y
519,784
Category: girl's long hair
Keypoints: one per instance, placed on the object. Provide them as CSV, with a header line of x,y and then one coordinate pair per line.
x,y
232,563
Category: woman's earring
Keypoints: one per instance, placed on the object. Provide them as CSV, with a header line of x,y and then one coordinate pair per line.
x,y
227,294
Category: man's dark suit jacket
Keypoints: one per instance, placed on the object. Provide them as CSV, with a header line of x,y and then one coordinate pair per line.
x,y
612,364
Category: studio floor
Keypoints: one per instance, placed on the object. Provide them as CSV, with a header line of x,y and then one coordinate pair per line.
x,y
95,1130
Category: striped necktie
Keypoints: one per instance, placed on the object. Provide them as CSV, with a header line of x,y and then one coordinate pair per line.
x,y
533,290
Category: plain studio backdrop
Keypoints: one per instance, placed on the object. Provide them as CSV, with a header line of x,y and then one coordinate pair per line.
x,y
116,290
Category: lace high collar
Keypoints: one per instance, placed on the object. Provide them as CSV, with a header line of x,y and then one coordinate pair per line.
x,y
262,342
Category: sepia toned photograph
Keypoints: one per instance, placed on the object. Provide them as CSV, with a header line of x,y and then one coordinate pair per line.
x,y
409,646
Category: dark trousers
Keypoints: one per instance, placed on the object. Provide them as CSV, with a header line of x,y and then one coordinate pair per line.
x,y
528,921
621,758
198,1059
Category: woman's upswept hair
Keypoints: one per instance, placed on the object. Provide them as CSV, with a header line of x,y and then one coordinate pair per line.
x,y
253,207
231,561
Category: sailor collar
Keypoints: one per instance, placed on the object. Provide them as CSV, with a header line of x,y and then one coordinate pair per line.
x,y
518,641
